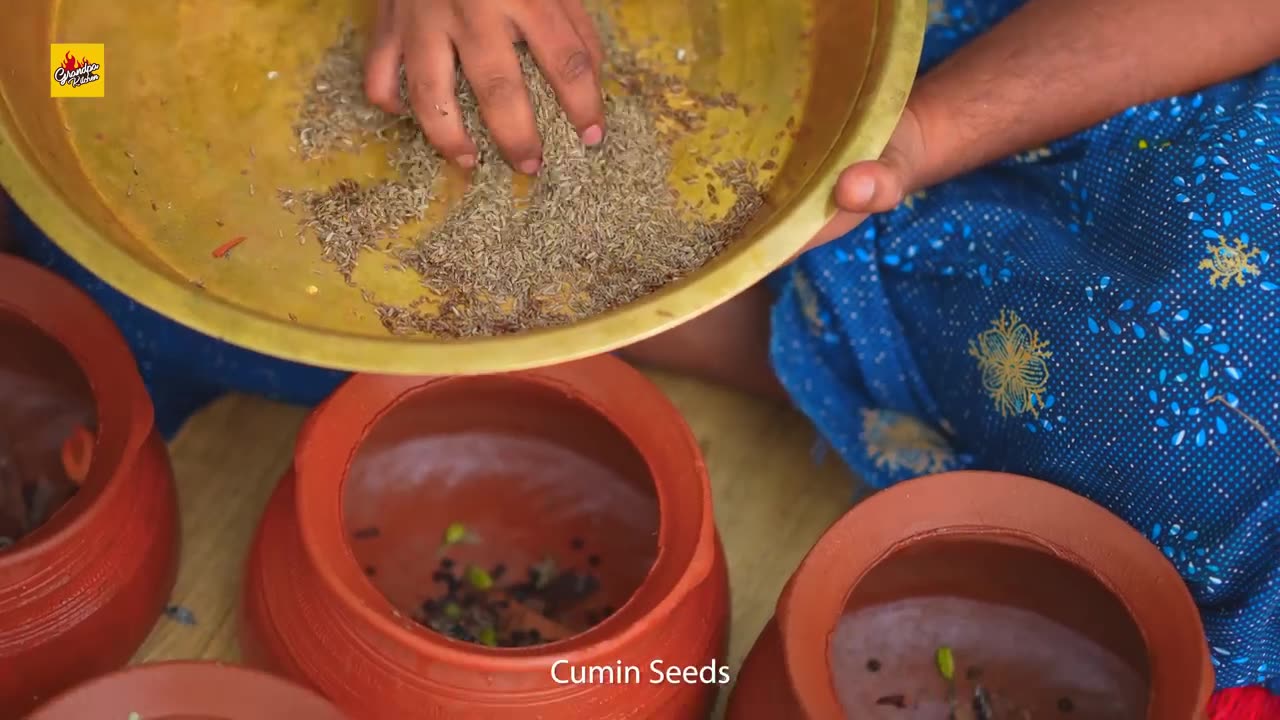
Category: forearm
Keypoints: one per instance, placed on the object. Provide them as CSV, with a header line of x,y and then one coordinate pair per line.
x,y
1055,67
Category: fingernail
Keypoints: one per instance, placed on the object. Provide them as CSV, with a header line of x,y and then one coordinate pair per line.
x,y
592,136
863,190
530,167
466,162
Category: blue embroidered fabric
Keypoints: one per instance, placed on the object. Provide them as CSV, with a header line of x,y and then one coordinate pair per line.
x,y
1100,313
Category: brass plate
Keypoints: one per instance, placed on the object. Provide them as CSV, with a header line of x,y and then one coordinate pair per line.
x,y
198,105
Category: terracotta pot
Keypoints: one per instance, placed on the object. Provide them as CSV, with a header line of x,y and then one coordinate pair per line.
x,y
1043,599
7,242
586,463
79,594
188,691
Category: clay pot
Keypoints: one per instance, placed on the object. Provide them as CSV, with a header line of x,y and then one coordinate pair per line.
x,y
188,691
7,241
586,463
80,591
1042,598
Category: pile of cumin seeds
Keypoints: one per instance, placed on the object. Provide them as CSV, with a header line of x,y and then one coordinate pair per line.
x,y
349,218
334,115
599,228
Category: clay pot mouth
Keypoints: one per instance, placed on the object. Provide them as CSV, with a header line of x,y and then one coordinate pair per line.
x,y
64,327
600,397
926,538
188,690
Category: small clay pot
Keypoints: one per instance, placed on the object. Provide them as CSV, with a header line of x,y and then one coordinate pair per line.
x,y
79,591
188,690
402,486
986,588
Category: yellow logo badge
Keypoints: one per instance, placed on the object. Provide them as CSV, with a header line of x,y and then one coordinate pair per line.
x,y
77,70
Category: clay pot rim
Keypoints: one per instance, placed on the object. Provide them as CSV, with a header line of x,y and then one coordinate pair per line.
x,y
122,406
998,507
104,690
632,404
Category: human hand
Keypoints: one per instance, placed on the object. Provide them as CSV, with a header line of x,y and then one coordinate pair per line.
x,y
426,33
880,185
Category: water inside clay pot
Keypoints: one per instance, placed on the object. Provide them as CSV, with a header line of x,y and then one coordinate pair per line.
x,y
1028,635
47,412
500,512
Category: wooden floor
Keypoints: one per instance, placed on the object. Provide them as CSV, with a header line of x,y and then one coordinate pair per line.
x,y
772,503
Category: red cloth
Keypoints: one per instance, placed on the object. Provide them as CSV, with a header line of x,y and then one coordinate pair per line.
x,y
1246,703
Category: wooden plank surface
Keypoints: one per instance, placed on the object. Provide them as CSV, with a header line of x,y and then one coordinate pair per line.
x,y
772,503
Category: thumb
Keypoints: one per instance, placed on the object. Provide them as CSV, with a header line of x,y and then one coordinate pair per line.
x,y
881,185
870,187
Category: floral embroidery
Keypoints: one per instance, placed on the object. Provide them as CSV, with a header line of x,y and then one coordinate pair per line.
x,y
1216,174
1185,550
1257,426
1012,359
1192,390
1230,260
1082,216
897,442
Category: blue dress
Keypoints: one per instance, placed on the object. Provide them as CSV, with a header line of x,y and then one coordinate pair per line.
x,y
1102,313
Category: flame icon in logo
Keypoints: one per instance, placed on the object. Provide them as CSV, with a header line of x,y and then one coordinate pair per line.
x,y
69,62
